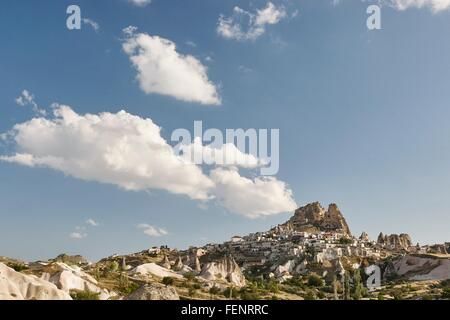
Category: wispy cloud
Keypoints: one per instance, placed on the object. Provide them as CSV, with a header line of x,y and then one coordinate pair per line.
x,y
92,222
78,235
244,25
26,98
94,25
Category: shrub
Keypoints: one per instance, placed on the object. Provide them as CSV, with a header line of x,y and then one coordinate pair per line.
x,y
84,295
214,290
17,266
113,266
446,293
310,295
250,296
191,292
189,276
167,281
129,288
315,281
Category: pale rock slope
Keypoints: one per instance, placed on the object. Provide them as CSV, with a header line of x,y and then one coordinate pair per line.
x,y
17,286
155,270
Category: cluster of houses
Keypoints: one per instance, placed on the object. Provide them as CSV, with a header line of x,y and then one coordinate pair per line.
x,y
259,249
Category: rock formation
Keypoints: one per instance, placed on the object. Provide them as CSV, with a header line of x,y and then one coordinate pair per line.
x,y
73,278
418,268
197,267
165,263
178,264
364,237
154,291
314,218
395,241
225,269
17,286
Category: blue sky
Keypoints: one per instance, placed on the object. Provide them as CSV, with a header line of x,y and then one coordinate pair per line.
x,y
363,117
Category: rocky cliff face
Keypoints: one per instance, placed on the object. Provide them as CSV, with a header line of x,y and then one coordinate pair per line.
x,y
314,218
395,241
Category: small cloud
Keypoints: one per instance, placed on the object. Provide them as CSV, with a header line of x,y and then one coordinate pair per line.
x,y
94,25
78,235
152,231
92,222
26,98
244,69
129,31
243,25
162,69
140,3
191,44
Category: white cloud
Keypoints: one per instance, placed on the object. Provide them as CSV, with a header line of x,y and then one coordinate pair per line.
x,y
162,70
252,198
140,3
94,25
243,25
129,152
26,98
120,149
78,235
152,231
434,5
92,222
225,155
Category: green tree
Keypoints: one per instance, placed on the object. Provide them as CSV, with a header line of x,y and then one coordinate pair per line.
x,y
358,291
347,286
336,285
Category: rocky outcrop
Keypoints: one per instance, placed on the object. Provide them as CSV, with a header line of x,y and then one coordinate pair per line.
x,y
73,278
178,264
285,269
225,270
17,286
395,241
417,267
364,237
165,263
154,291
314,218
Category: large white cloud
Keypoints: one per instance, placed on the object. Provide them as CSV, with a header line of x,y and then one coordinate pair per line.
x,y
252,198
243,25
128,151
434,5
119,149
161,69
